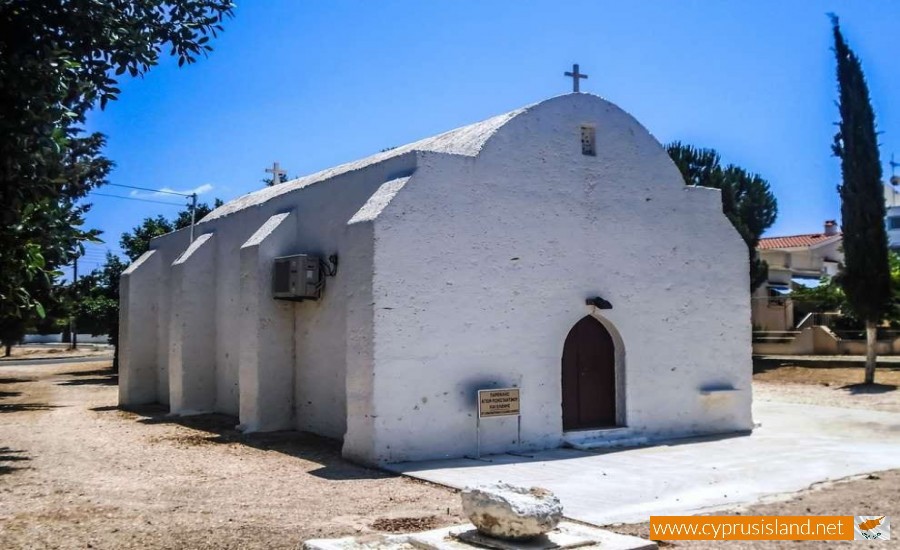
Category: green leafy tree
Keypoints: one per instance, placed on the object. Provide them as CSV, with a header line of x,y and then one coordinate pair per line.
x,y
184,217
271,181
137,241
55,320
12,330
102,308
865,277
59,59
829,296
747,200
97,302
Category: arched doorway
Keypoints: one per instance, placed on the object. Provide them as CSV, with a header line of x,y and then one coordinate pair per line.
x,y
588,377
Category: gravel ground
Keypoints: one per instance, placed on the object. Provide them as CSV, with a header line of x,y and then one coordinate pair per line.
x,y
76,472
55,352
835,387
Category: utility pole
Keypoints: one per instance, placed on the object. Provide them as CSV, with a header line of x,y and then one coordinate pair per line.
x,y
73,330
193,213
895,179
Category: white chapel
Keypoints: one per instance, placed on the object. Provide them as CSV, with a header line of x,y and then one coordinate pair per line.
x,y
554,249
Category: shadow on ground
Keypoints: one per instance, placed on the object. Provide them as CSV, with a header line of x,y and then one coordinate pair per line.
x,y
857,389
763,364
99,377
11,455
220,429
15,380
20,407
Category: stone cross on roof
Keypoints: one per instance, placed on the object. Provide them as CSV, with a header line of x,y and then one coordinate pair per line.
x,y
276,172
576,78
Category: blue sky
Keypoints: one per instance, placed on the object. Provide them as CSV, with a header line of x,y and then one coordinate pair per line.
x,y
313,84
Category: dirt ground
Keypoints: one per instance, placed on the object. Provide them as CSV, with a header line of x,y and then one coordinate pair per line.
x,y
53,352
871,494
836,387
76,472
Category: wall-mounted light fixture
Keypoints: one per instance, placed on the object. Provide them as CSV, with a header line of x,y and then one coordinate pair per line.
x,y
598,303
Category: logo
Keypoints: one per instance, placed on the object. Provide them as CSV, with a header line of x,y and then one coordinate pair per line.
x,y
871,528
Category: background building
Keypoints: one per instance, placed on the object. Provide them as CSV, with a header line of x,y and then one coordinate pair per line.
x,y
808,257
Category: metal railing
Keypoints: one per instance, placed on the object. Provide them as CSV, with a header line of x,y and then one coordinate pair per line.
x,y
817,319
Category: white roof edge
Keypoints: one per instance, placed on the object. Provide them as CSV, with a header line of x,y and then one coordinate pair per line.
x,y
192,248
266,229
379,200
135,265
466,140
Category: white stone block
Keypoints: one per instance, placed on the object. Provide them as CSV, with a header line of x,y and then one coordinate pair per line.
x,y
509,512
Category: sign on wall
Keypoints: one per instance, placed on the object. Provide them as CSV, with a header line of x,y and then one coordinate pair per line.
x,y
498,402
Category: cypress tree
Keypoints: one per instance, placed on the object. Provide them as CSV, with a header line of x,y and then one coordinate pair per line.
x,y
865,277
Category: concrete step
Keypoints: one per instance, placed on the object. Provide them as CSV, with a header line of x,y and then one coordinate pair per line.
x,y
586,440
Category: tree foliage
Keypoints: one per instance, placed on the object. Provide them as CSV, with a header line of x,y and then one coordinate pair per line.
x,y
747,200
58,59
137,241
283,177
183,219
96,301
829,296
865,277
12,330
826,297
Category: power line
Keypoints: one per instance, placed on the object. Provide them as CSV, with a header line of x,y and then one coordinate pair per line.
x,y
97,247
134,199
92,259
151,190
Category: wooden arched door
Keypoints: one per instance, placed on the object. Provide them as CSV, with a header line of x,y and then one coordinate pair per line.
x,y
588,377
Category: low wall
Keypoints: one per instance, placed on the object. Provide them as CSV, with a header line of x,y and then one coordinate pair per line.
x,y
819,340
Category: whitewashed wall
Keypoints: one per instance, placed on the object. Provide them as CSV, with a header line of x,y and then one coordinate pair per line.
x,y
319,343
470,273
482,266
320,328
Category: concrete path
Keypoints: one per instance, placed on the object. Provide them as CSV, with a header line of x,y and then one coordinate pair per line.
x,y
795,447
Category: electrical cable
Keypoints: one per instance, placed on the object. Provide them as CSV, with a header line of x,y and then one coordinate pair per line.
x,y
134,199
151,190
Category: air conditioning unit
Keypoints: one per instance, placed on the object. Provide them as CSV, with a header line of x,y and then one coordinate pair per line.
x,y
297,278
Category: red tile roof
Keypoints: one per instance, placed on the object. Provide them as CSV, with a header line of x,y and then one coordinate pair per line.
x,y
794,241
